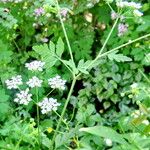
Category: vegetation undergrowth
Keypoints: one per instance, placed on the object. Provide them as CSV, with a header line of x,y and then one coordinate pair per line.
x,y
74,75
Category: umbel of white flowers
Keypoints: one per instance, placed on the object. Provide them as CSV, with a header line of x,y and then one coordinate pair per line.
x,y
48,104
14,82
132,5
24,97
57,83
129,4
35,65
34,82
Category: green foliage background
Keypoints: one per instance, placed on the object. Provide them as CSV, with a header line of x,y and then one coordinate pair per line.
x,y
103,97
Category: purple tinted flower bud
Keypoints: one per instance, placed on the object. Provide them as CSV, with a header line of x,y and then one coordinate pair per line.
x,y
114,15
64,12
122,29
39,11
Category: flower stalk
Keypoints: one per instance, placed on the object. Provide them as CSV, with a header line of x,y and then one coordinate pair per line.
x,y
38,118
63,112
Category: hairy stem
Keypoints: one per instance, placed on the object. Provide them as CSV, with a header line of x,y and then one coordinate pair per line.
x,y
65,33
146,78
104,45
64,64
63,112
62,120
123,45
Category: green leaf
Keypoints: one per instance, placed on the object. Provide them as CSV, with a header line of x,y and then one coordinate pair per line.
x,y
4,104
144,26
3,96
82,66
52,47
5,53
46,54
105,132
7,20
65,138
118,57
59,47
71,65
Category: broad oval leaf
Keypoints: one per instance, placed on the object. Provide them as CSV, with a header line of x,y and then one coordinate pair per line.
x,y
105,132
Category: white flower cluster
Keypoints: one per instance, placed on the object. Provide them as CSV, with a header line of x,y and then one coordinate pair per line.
x,y
34,82
15,1
137,13
57,83
48,104
35,65
129,4
133,5
23,97
14,82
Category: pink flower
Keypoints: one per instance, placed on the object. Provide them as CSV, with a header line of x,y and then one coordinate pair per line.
x,y
114,15
64,12
39,11
122,29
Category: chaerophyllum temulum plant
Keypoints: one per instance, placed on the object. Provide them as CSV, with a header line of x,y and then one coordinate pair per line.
x,y
52,53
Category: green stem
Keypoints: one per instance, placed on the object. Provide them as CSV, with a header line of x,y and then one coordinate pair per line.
x,y
62,119
65,33
64,63
110,7
49,93
73,114
18,143
146,78
104,45
38,117
16,45
63,112
123,45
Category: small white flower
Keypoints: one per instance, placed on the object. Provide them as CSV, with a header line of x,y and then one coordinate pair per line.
x,y
137,13
34,82
48,104
15,1
120,4
134,85
146,122
108,142
35,65
114,15
89,5
23,97
129,4
57,83
14,82
135,5
136,114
